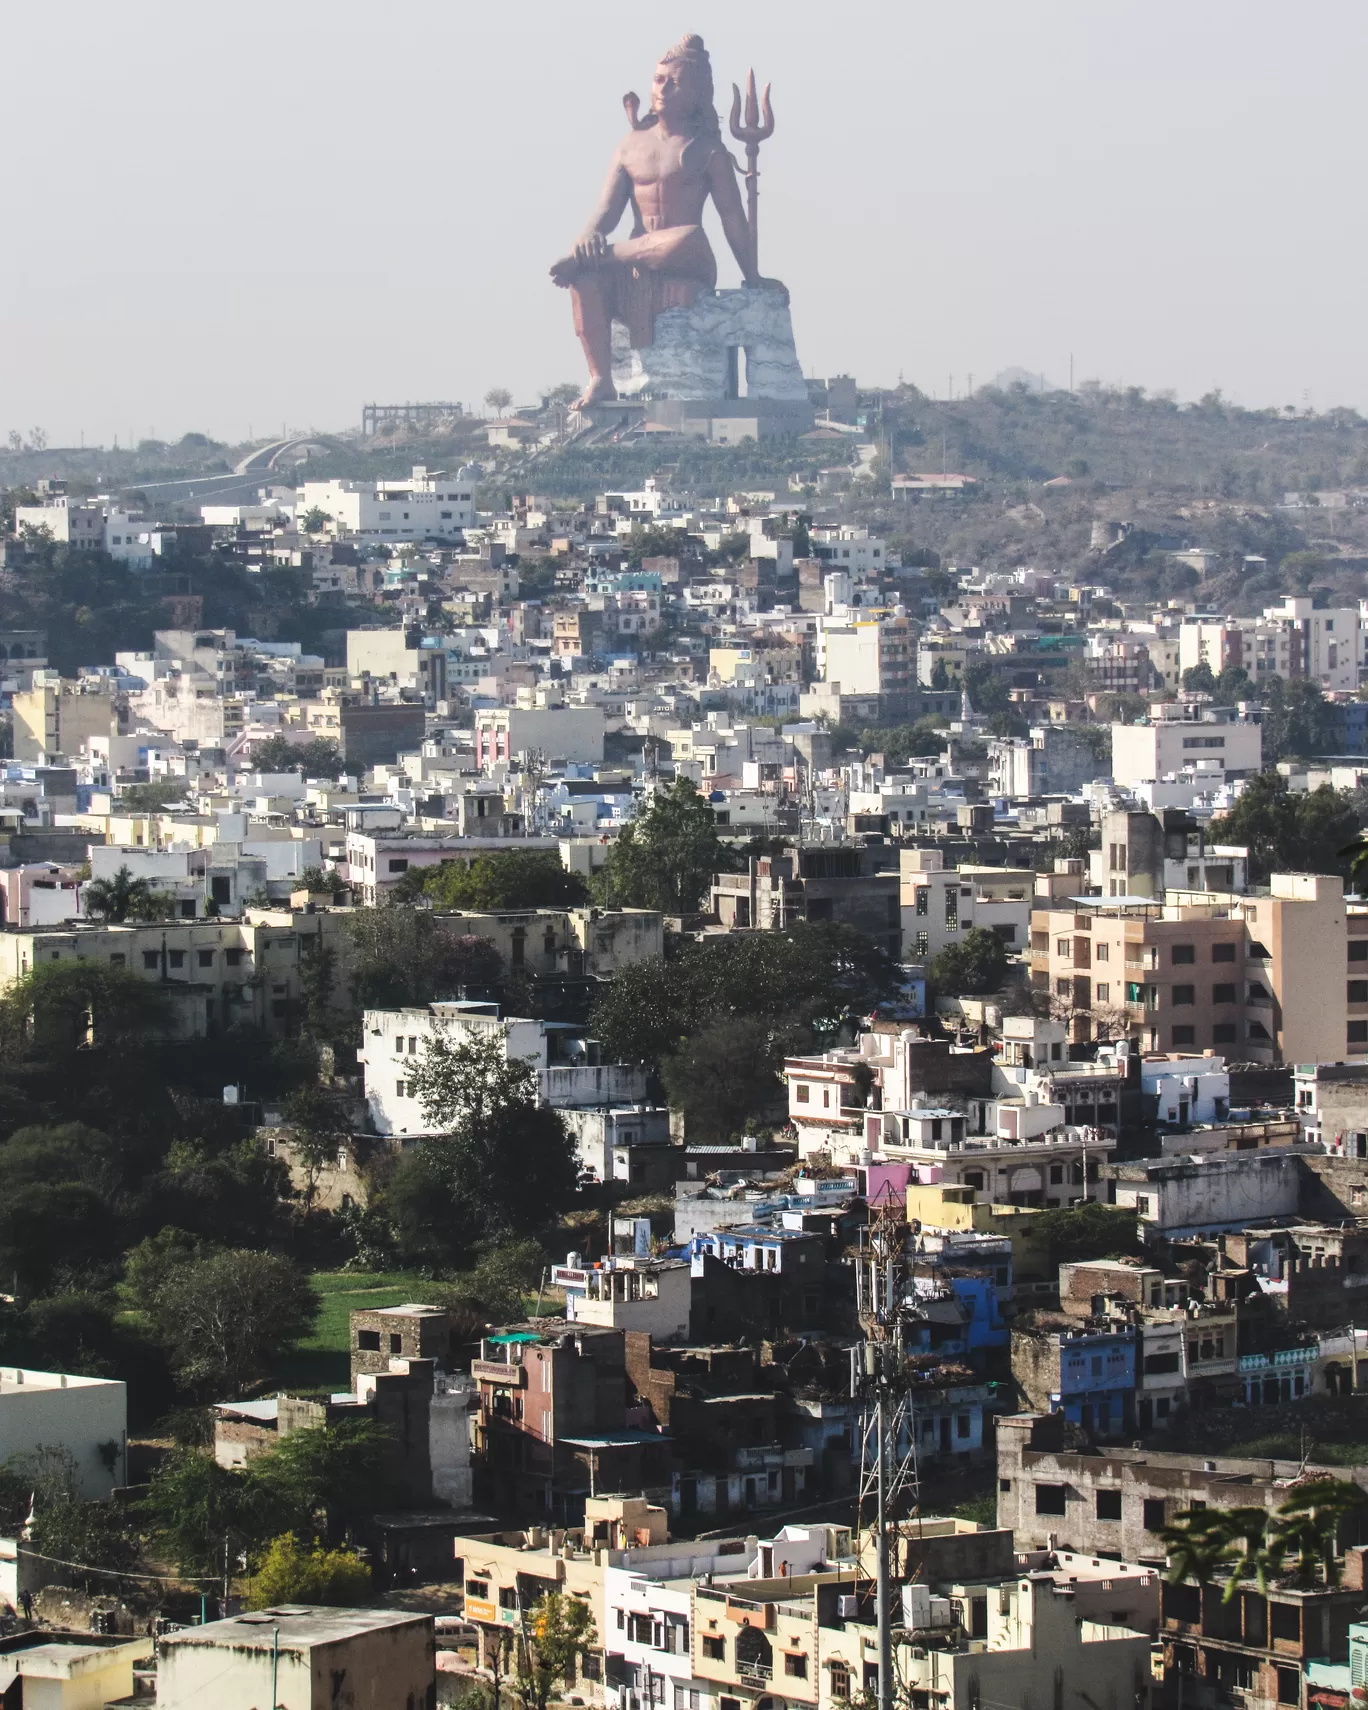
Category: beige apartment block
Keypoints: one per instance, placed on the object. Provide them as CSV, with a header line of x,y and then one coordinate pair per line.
x,y
1251,977
60,717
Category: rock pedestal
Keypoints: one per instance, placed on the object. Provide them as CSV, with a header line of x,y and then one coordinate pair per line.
x,y
726,346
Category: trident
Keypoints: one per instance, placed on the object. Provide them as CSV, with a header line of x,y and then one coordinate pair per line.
x,y
752,133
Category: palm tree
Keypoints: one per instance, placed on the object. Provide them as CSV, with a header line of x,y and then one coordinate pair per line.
x,y
1247,1528
1356,853
1197,1546
120,899
1307,1527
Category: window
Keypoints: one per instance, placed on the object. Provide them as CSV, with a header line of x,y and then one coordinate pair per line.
x,y
150,959
1289,1686
206,958
176,958
399,865
1056,1174
1184,995
1050,1499
1284,1621
1223,994
795,1665
923,900
922,944
400,1089
1154,1513
1357,1033
1103,992
1358,991
952,906
962,1425
368,1341
1109,1505
1101,952
803,1093
1223,952
1156,1364
233,958
840,1680
508,1595
1358,949
1063,946
1184,1035
714,1647
1184,953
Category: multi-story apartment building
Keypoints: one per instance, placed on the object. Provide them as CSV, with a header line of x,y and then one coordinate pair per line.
x,y
1185,737
1221,972
939,906
213,974
1294,639
1147,854
60,717
429,505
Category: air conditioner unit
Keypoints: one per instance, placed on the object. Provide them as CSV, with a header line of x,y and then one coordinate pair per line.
x,y
848,1608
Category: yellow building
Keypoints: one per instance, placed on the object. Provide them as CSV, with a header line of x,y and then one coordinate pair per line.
x,y
59,717
948,1206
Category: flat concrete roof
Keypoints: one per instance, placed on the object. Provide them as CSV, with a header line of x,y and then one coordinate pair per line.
x,y
300,1626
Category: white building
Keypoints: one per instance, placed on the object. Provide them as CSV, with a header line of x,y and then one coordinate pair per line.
x,y
395,1042
427,506
1291,640
88,1417
628,1293
849,548
1179,737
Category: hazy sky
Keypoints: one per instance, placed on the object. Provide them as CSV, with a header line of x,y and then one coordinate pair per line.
x,y
234,217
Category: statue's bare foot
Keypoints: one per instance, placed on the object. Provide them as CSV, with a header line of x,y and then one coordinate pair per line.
x,y
596,392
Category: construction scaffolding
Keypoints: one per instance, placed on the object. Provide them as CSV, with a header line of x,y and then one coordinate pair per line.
x,y
890,1491
378,419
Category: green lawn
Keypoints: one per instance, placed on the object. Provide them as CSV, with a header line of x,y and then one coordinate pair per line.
x,y
322,1362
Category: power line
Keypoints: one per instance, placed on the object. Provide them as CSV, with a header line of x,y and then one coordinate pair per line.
x,y
121,1573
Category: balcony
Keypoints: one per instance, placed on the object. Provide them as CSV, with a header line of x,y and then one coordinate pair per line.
x,y
755,1672
499,1371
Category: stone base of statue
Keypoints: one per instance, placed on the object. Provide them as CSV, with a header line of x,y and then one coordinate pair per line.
x,y
728,359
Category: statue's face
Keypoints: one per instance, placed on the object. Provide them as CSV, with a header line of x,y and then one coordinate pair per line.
x,y
674,90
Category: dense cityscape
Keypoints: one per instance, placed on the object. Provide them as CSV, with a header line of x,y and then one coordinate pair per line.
x,y
694,1042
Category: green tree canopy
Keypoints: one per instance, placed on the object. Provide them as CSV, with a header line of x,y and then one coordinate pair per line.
x,y
811,978
1287,832
225,1318
290,1572
665,858
974,967
124,898
59,1008
403,956
503,1165
318,758
504,879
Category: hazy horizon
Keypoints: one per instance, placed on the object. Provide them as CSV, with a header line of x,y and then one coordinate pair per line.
x,y
233,221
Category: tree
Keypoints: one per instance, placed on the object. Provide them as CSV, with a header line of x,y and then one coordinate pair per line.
x,y
1076,1233
504,1164
1298,721
974,967
403,956
1199,679
813,977
506,879
1284,832
124,898
318,758
291,1572
666,857
200,1513
724,1073
314,520
61,1007
561,1629
498,398
225,1318
317,1119
325,1478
